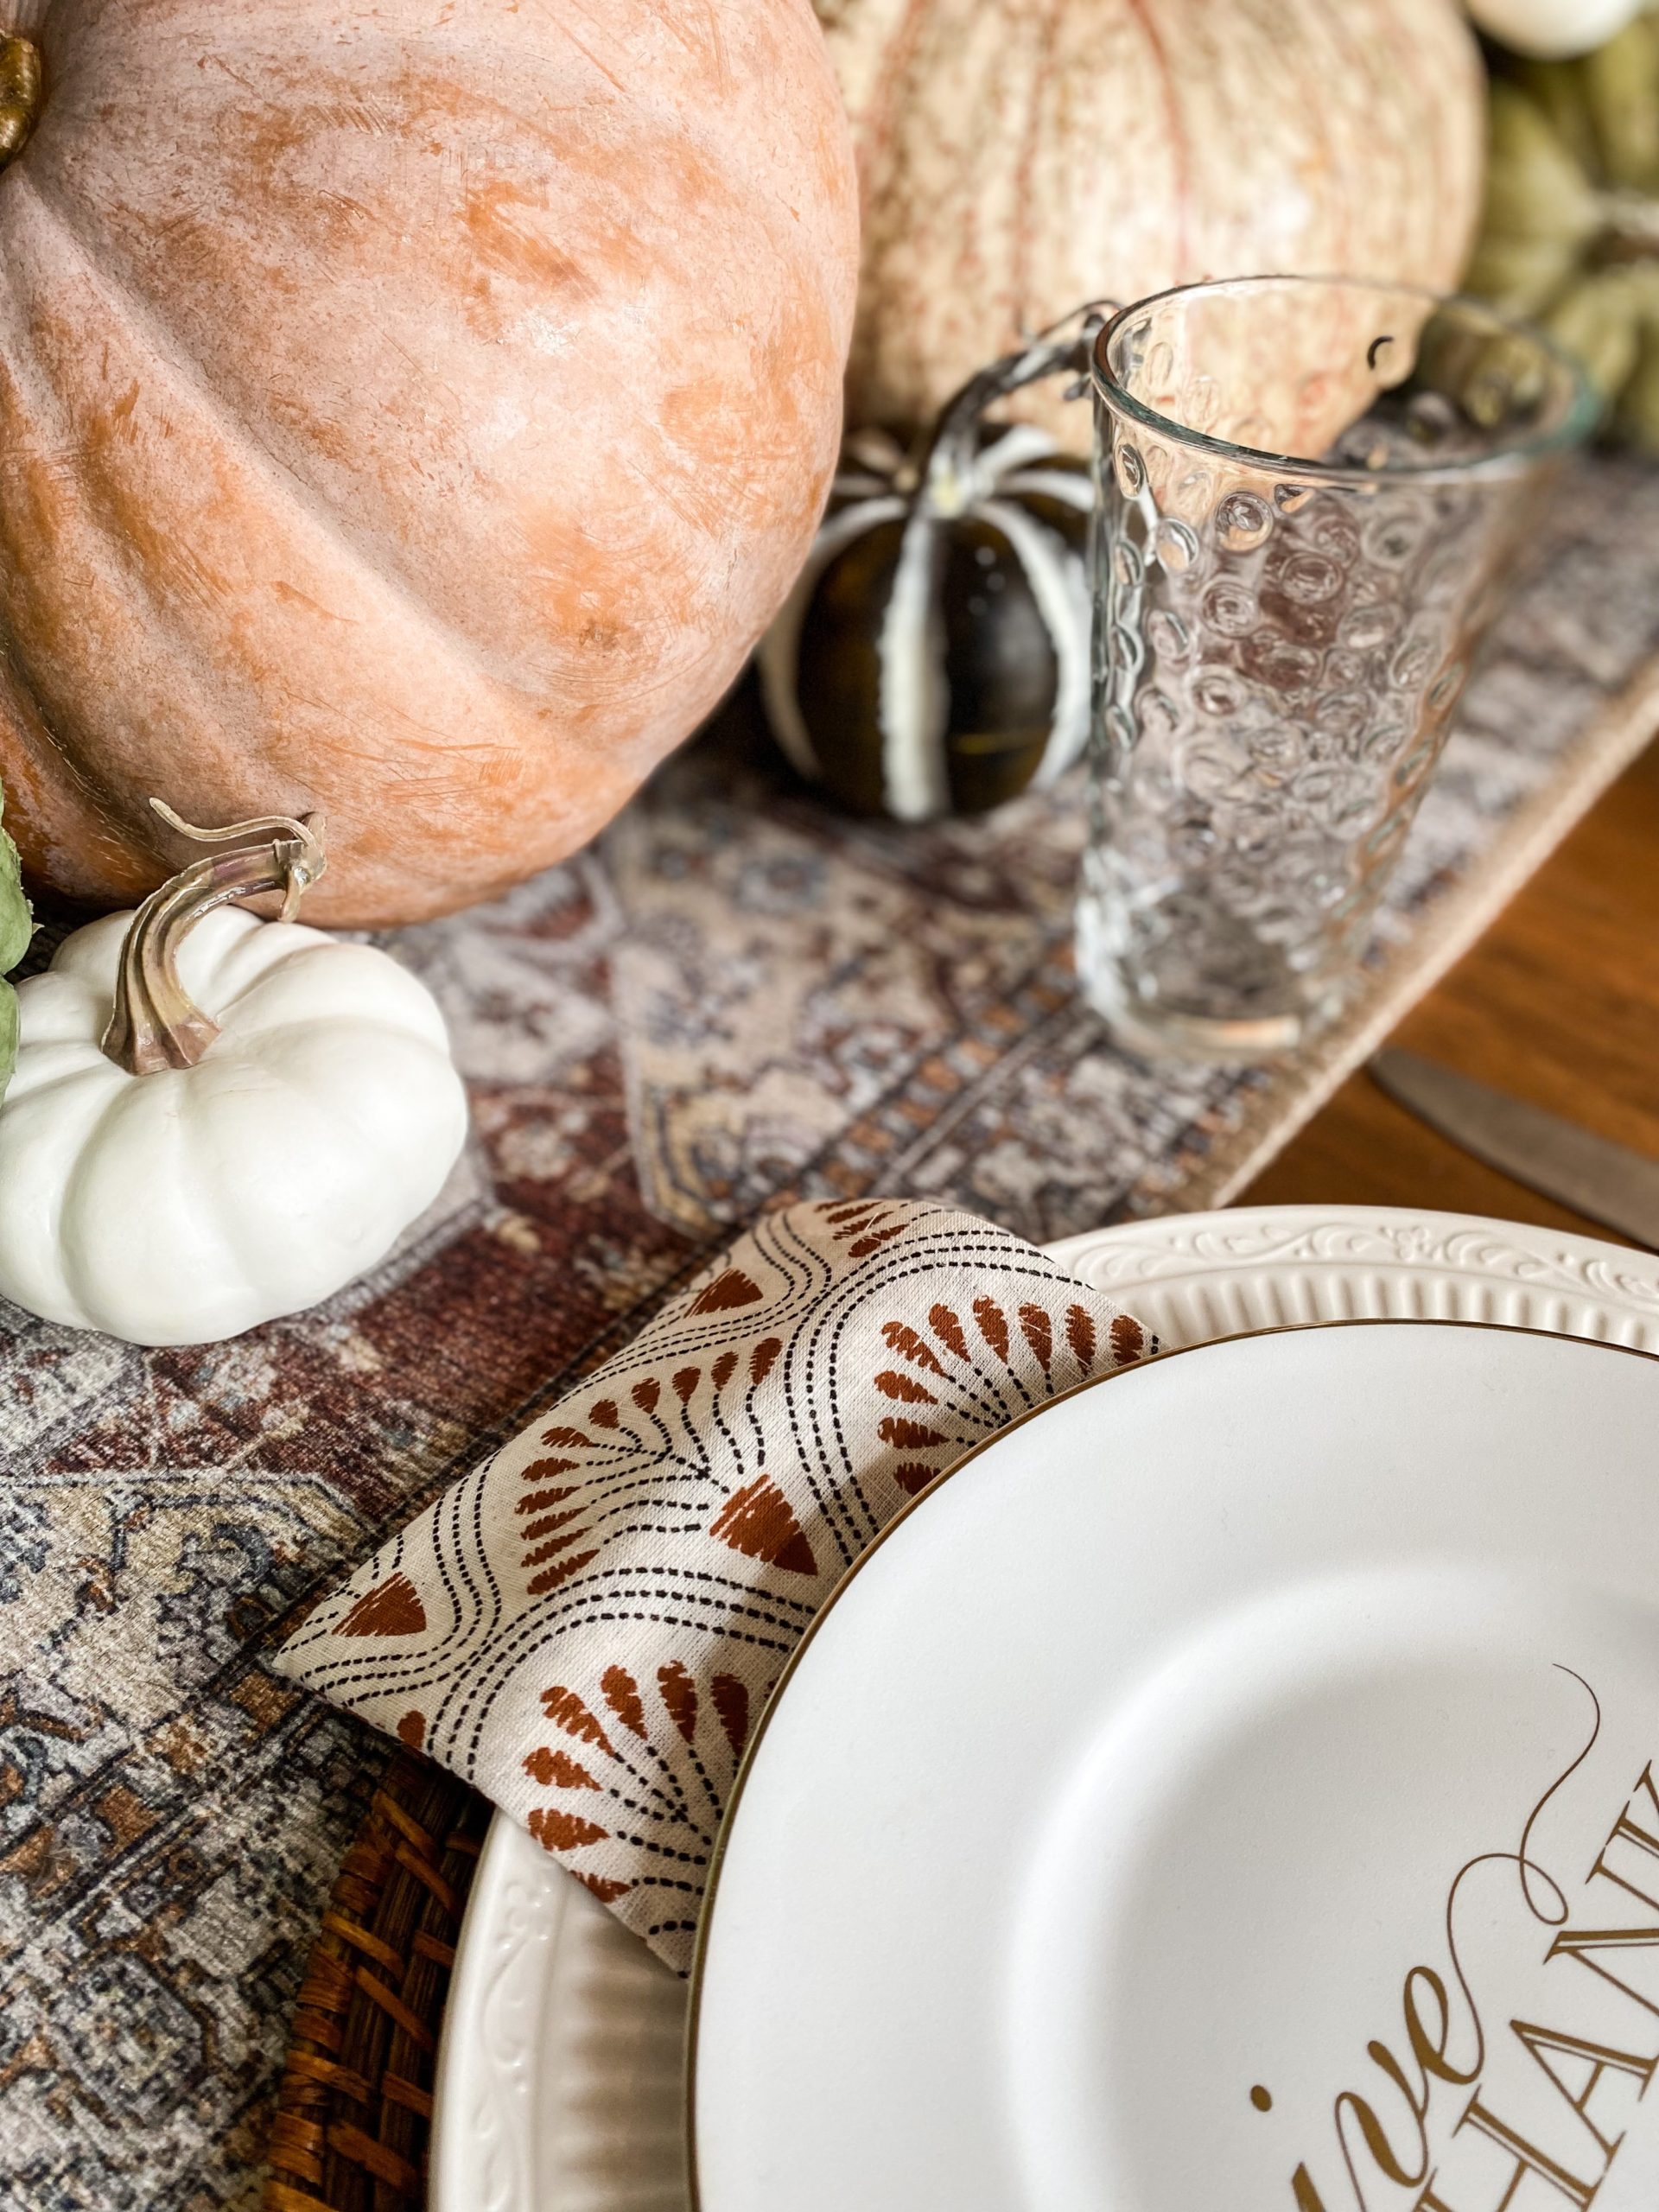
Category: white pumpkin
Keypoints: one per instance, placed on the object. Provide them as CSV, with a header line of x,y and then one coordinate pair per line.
x,y
188,1203
1014,159
1552,30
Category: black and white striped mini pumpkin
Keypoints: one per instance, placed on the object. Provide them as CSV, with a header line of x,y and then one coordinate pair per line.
x,y
933,658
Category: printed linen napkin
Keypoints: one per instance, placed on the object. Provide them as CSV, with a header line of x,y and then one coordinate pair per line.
x,y
586,1627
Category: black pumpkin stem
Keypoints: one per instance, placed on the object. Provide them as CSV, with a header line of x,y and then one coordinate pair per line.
x,y
951,449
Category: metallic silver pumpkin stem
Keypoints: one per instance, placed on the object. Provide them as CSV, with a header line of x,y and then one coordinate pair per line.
x,y
156,1023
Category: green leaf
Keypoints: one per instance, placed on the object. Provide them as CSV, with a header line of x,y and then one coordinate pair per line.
x,y
16,923
17,927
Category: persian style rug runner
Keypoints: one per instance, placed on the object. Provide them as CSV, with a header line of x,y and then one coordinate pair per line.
x,y
735,998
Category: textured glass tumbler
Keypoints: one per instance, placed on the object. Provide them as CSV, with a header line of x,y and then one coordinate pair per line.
x,y
1308,491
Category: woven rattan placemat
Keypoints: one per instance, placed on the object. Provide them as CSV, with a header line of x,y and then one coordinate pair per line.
x,y
354,2112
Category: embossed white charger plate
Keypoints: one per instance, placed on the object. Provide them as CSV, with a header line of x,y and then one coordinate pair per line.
x,y
560,2074
1231,1784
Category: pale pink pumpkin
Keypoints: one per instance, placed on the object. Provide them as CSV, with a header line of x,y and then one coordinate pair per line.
x,y
1019,157
410,410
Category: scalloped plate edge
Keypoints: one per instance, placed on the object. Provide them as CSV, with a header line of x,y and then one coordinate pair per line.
x,y
559,2081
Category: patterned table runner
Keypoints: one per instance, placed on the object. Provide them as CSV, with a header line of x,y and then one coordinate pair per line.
x,y
735,995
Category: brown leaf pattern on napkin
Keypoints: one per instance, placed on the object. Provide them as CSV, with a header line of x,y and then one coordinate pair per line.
x,y
587,1627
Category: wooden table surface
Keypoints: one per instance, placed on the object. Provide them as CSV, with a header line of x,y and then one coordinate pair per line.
x,y
1558,1003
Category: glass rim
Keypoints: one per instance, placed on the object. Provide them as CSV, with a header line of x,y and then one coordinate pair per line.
x,y
1576,421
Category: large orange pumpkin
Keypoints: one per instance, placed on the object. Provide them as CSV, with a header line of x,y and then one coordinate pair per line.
x,y
1018,156
410,410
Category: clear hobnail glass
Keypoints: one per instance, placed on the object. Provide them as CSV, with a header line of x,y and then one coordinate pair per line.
x,y
1280,641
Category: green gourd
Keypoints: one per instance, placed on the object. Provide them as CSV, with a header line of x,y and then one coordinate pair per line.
x,y
1570,236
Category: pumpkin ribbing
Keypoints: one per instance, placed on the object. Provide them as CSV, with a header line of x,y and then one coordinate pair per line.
x,y
1016,158
417,427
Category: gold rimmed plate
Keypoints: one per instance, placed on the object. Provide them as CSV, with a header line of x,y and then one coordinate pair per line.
x,y
1231,1786
560,2074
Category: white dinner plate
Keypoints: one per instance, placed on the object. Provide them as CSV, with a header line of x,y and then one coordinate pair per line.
x,y
1231,1786
559,2079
